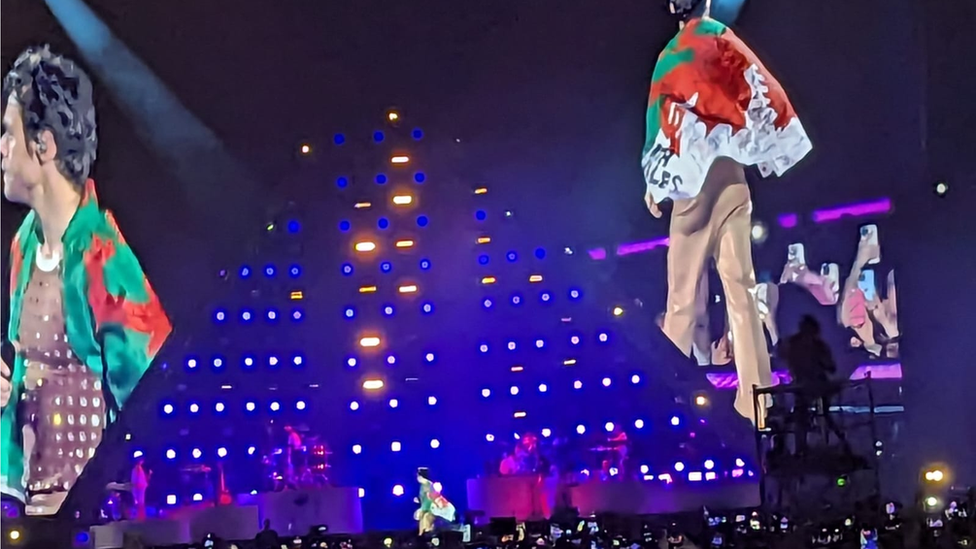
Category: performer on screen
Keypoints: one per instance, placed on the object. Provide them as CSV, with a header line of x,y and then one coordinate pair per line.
x,y
433,504
84,322
713,109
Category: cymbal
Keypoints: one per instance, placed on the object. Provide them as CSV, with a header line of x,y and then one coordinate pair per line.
x,y
196,468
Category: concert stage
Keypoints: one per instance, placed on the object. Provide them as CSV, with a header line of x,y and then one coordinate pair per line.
x,y
292,512
529,497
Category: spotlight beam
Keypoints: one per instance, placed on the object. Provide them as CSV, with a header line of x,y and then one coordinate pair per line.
x,y
185,144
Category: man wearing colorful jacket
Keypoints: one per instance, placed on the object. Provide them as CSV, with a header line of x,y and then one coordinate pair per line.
x,y
84,322
713,109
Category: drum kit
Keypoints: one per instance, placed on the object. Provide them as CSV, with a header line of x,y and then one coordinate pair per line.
x,y
305,466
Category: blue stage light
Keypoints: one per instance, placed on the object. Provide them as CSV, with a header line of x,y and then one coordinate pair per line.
x,y
220,315
250,406
516,299
383,223
603,337
512,345
639,424
300,405
272,315
480,215
575,294
483,259
391,360
297,314
424,264
218,362
388,310
545,297
351,362
486,393
417,134
675,421
386,267
349,313
347,269
354,406
540,343
191,363
171,454
245,271
540,253
339,139
483,348
294,226
247,315
422,220
381,179
273,361
168,408
275,406
345,225
194,407
580,429
298,360
342,182
635,379
427,308
222,452
543,388
219,407
512,256
429,357
419,177
295,271
248,362
250,451
378,136
269,271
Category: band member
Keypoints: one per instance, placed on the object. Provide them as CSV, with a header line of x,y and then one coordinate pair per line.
x,y
140,483
293,447
713,109
617,441
432,504
84,322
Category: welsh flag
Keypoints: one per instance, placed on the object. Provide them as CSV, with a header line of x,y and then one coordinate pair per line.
x,y
712,97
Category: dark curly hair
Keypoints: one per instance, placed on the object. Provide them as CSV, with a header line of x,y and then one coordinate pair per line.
x,y
56,95
686,9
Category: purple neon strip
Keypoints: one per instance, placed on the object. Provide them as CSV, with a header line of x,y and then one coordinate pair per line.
x,y
728,380
882,205
598,254
643,246
878,371
788,221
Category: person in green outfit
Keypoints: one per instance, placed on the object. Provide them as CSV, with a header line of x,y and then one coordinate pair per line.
x,y
84,322
433,504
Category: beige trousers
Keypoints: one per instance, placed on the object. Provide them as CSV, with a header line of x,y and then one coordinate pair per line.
x,y
717,224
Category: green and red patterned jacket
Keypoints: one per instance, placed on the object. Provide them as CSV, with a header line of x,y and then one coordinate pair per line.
x,y
112,315
712,97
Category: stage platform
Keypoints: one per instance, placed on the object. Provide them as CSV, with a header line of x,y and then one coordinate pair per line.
x,y
292,512
529,497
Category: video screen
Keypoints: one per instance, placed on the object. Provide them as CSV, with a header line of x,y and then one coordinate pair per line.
x,y
84,321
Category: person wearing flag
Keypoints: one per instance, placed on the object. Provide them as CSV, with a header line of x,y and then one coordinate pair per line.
x,y
714,109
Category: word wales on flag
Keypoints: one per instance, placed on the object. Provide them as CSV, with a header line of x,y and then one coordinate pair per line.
x,y
712,97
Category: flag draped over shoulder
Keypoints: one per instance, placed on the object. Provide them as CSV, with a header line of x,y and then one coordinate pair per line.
x,y
711,97
113,318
